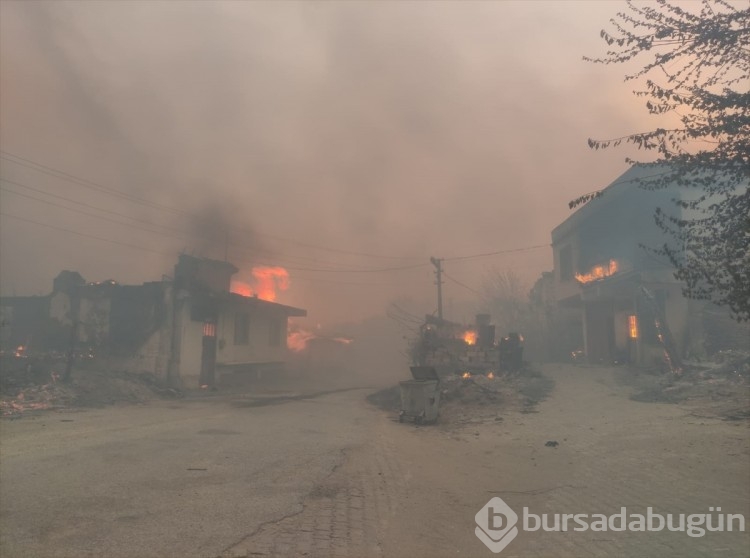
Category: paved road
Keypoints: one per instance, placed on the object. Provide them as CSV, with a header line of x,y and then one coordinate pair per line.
x,y
331,476
414,491
187,478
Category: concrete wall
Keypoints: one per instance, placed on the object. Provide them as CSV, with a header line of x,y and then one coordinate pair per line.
x,y
93,316
152,357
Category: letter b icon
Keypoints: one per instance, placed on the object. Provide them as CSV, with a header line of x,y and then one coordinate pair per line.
x,y
496,524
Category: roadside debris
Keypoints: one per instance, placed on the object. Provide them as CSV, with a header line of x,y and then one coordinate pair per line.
x,y
720,388
34,384
464,398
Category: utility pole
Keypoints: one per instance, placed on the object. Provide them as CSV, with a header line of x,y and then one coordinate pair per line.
x,y
438,263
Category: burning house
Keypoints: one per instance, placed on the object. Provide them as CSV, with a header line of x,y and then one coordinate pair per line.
x,y
623,299
188,331
219,332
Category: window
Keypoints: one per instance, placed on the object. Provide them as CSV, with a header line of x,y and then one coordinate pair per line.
x,y
241,329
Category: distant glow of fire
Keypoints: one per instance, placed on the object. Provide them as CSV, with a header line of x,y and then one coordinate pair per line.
x,y
342,340
267,281
470,337
491,376
466,375
298,338
20,351
598,272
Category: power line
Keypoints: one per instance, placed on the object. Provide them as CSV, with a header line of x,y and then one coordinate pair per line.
x,y
291,268
47,225
51,171
180,234
371,270
85,212
77,202
525,249
457,282
348,283
44,169
17,159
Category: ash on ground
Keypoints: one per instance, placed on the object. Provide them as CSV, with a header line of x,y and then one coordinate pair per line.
x,y
719,388
35,384
466,399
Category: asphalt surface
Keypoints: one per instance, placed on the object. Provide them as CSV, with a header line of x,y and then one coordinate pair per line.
x,y
185,478
329,475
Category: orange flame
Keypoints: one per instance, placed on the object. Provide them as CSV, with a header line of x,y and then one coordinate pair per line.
x,y
297,339
598,272
466,375
241,288
470,337
491,376
267,280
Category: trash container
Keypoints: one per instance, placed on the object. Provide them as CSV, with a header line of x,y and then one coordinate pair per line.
x,y
420,397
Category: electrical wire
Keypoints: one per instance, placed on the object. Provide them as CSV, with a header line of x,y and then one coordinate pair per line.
x,y
486,254
467,287
71,231
51,171
254,251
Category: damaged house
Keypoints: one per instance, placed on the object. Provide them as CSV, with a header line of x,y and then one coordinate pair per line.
x,y
622,299
189,331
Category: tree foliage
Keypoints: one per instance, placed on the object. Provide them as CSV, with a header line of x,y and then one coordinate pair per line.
x,y
695,76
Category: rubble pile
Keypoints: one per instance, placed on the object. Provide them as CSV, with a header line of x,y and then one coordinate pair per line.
x,y
33,384
720,388
51,395
467,397
475,389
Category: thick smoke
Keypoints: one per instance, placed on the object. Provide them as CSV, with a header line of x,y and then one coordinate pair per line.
x,y
397,130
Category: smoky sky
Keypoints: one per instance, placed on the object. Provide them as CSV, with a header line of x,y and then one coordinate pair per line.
x,y
331,138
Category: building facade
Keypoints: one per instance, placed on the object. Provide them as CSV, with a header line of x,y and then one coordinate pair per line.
x,y
622,294
188,331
